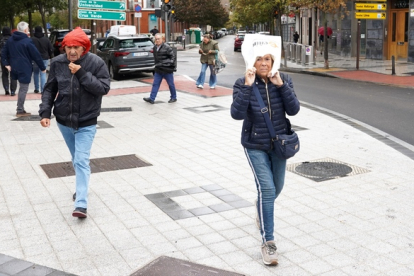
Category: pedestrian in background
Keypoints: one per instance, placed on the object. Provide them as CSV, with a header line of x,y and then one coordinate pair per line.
x,y
17,56
154,31
296,37
76,84
45,49
268,168
321,42
164,69
9,84
208,50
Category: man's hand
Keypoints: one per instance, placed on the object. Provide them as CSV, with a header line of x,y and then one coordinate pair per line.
x,y
74,67
8,67
200,51
45,122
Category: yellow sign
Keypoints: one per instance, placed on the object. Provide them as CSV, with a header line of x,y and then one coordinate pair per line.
x,y
370,6
370,0
370,15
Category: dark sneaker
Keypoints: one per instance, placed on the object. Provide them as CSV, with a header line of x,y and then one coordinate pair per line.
x,y
79,213
172,100
12,94
36,91
269,253
148,100
7,93
74,197
23,114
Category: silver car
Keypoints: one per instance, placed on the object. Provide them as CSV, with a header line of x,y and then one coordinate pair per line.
x,y
127,54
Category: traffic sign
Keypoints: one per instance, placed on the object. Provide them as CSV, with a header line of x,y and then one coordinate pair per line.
x,y
137,8
106,5
370,15
370,6
101,15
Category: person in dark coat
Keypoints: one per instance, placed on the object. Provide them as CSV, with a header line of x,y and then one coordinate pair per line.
x,y
154,31
74,89
45,49
268,168
296,37
164,69
9,86
17,56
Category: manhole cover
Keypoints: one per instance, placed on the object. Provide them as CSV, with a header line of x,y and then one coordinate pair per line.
x,y
115,109
105,164
324,169
205,108
175,267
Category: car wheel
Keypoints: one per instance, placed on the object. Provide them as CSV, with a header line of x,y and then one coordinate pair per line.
x,y
112,73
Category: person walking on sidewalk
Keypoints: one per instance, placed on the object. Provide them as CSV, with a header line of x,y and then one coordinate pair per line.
x,y
76,84
45,49
208,50
9,84
296,37
164,69
17,56
268,168
154,31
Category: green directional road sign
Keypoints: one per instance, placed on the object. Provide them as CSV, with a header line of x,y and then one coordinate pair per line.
x,y
106,5
101,15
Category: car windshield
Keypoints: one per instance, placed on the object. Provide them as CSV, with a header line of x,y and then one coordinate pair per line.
x,y
240,36
135,43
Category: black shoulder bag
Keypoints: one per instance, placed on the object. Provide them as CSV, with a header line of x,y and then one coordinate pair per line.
x,y
284,145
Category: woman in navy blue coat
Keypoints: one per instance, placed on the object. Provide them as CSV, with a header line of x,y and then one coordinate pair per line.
x,y
268,169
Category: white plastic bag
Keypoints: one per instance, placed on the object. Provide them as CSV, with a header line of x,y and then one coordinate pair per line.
x,y
220,62
256,45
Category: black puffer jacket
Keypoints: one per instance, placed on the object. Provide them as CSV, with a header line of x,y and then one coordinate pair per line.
x,y
78,103
283,100
164,59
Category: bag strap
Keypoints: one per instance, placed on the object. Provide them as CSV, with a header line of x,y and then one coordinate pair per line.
x,y
265,111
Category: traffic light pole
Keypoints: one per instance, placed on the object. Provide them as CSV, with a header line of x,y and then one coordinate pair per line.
x,y
167,29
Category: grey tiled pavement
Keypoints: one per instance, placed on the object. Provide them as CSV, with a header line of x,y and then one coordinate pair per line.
x,y
360,224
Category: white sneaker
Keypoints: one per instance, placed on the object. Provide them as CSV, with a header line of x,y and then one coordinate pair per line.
x,y
269,253
200,86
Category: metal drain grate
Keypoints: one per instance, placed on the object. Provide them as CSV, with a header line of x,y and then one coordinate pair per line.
x,y
324,169
30,118
115,109
105,164
103,124
206,108
175,267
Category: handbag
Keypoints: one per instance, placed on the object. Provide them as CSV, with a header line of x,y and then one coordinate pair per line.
x,y
284,145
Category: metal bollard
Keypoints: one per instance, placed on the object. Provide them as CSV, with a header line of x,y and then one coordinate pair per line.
x,y
298,53
293,52
303,53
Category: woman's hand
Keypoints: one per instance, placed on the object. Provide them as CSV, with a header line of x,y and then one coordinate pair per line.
x,y
275,79
250,76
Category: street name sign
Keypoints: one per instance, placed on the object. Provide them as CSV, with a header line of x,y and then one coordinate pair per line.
x,y
370,15
101,15
370,6
106,5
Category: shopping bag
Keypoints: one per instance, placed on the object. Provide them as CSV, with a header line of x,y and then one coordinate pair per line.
x,y
220,62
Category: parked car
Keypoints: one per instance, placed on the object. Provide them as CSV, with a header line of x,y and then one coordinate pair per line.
x,y
100,41
220,34
225,31
126,54
57,36
238,41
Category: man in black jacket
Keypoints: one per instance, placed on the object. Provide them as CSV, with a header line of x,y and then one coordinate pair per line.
x,y
5,74
45,49
164,69
76,84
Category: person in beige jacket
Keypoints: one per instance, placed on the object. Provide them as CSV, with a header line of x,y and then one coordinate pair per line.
x,y
208,50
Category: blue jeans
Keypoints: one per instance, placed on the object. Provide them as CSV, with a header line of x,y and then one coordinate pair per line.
x,y
79,143
269,174
36,72
202,76
169,77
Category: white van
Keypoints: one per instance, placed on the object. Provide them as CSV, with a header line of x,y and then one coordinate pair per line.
x,y
123,30
225,31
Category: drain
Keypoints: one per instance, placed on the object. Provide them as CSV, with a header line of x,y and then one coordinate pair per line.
x,y
323,169
115,109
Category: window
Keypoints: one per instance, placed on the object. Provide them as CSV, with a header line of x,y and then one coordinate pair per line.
x,y
152,4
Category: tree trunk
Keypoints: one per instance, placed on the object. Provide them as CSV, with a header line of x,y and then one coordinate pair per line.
x,y
30,23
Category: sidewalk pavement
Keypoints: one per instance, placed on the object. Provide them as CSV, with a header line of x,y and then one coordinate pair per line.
x,y
188,193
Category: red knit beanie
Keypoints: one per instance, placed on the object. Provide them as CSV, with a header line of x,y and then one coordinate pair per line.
x,y
77,37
